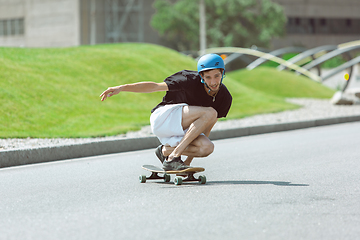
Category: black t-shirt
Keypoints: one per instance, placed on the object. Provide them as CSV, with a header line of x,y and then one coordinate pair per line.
x,y
186,87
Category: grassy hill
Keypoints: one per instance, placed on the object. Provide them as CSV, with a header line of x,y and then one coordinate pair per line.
x,y
55,92
282,84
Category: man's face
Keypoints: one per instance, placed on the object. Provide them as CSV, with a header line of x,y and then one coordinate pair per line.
x,y
213,79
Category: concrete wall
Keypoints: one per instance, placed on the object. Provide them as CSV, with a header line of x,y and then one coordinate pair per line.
x,y
52,23
329,9
48,23
311,41
321,8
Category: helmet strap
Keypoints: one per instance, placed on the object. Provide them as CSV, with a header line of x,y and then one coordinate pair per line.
x,y
222,77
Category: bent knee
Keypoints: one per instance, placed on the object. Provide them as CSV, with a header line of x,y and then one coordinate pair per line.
x,y
207,149
211,114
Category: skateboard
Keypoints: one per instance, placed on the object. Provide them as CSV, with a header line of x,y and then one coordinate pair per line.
x,y
187,173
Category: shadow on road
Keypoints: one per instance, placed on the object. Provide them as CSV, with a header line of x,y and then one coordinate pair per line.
x,y
234,182
277,183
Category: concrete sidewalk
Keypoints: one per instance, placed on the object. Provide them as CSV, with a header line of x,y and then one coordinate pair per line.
x,y
47,154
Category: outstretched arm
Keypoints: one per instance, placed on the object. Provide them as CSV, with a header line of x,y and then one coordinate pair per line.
x,y
140,87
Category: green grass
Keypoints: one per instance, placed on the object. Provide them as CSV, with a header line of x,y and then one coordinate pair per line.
x,y
331,63
286,56
55,92
282,84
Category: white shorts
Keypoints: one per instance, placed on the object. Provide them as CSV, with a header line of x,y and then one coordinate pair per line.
x,y
166,124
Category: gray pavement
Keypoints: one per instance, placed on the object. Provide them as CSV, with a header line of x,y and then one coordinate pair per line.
x,y
298,184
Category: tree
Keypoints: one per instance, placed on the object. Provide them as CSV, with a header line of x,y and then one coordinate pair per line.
x,y
230,23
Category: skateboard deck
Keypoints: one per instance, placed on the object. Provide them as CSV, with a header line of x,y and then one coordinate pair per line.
x,y
188,173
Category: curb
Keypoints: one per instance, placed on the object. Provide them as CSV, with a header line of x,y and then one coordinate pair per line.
x,y
40,155
246,131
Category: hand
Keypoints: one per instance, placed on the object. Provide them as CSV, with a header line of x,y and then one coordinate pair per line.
x,y
111,91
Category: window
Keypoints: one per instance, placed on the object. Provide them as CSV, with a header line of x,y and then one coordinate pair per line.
x,y
12,27
311,27
323,22
348,22
323,26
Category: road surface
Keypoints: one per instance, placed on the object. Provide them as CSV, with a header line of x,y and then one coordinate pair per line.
x,y
301,184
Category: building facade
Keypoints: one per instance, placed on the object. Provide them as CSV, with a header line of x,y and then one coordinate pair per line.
x,y
313,23
109,21
63,23
39,23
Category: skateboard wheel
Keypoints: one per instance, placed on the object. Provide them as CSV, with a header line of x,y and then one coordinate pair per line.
x,y
166,178
178,180
142,178
202,179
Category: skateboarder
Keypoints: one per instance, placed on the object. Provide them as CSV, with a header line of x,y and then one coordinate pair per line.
x,y
193,102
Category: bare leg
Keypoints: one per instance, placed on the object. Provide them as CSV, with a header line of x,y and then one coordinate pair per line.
x,y
202,141
198,120
200,147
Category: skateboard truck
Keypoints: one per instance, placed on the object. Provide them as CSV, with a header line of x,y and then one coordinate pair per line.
x,y
189,173
153,176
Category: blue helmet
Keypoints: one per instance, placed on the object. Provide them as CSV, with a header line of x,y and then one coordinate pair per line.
x,y
210,61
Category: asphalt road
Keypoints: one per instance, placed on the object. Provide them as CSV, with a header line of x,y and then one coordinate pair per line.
x,y
301,184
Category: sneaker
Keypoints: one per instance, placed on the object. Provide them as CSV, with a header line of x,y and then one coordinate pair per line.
x,y
174,165
159,153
